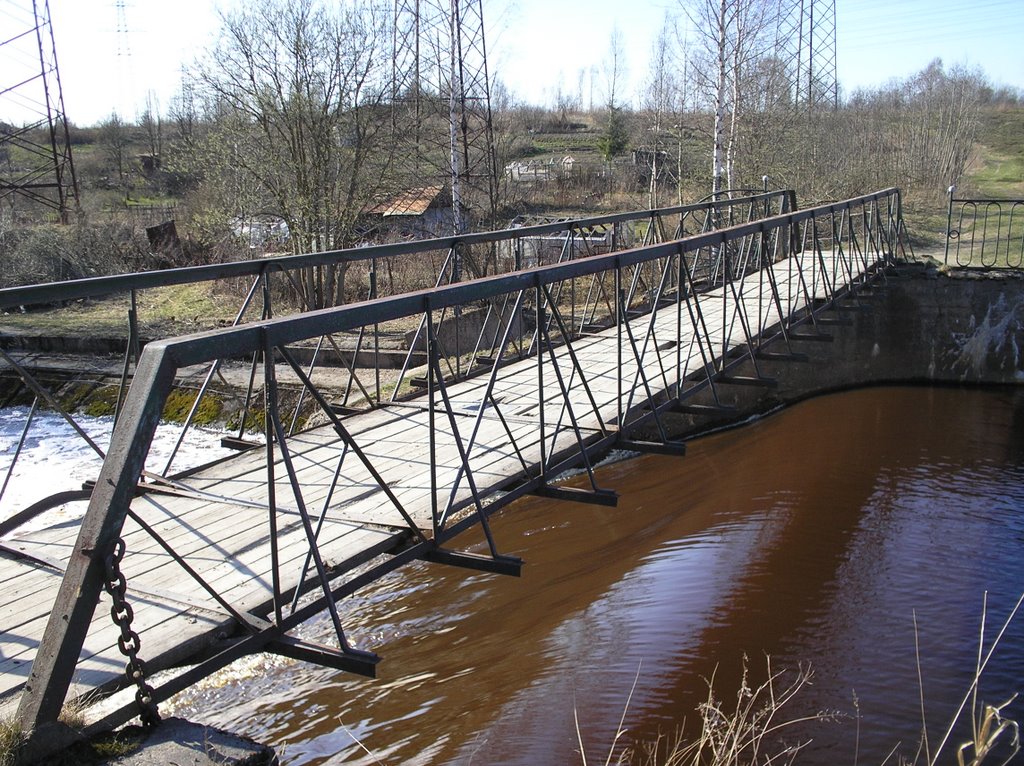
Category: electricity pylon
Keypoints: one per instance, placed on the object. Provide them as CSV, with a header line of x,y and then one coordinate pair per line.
x,y
442,105
35,148
807,41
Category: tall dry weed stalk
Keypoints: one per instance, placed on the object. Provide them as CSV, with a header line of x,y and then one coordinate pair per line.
x,y
992,735
745,732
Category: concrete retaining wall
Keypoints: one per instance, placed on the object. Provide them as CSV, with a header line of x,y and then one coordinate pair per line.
x,y
919,326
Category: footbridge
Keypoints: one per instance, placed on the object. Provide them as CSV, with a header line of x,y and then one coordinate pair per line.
x,y
565,362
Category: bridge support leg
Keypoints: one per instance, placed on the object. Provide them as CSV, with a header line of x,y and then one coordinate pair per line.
x,y
504,565
349,660
605,497
676,449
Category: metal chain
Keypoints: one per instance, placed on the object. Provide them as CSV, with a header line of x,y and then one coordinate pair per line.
x,y
128,642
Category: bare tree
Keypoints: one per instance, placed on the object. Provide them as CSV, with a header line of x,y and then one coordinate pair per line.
x,y
661,104
295,92
916,133
614,67
114,139
733,36
152,125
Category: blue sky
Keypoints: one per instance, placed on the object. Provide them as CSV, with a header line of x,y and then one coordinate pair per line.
x,y
532,44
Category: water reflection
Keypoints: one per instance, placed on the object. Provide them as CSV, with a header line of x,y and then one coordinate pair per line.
x,y
813,536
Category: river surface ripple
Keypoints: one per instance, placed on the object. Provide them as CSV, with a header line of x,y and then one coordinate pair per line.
x,y
814,537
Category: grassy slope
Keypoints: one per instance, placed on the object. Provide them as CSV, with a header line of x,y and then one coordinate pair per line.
x,y
996,170
162,311
998,166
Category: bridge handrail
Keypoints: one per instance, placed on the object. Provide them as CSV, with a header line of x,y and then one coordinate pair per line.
x,y
95,287
988,233
117,484
566,239
245,339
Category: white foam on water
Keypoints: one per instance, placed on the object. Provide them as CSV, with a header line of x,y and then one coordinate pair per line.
x,y
55,458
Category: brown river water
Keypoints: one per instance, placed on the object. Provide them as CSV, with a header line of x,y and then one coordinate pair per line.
x,y
814,537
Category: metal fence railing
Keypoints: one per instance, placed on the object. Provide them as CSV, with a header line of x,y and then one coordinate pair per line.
x,y
984,233
550,394
259,289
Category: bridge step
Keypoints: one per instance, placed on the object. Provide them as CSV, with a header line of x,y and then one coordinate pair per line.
x,y
344,409
350,660
835,321
676,449
850,306
421,382
819,337
233,442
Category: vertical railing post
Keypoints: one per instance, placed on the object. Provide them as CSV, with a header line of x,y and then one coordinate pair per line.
x,y
432,419
949,223
376,333
681,295
131,353
457,308
540,378
269,414
620,317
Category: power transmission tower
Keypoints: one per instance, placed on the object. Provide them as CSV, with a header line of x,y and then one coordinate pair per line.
x,y
35,158
807,36
441,103
125,68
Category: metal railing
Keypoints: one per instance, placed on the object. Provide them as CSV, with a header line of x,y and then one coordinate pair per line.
x,y
984,233
357,356
709,303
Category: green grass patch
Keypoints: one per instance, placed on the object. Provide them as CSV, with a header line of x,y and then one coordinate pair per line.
x,y
102,401
998,175
998,167
179,403
162,312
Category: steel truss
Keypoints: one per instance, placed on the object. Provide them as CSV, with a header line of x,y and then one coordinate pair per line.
x,y
663,322
807,41
441,103
356,358
35,158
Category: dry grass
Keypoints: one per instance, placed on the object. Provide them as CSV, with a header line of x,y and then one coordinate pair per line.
x,y
992,735
748,730
11,740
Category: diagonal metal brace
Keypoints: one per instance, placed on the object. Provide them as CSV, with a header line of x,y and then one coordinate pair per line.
x,y
499,564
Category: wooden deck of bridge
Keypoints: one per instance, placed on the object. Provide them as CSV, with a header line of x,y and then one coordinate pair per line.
x,y
218,520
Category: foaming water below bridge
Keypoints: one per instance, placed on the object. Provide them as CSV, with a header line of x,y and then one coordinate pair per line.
x,y
814,537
